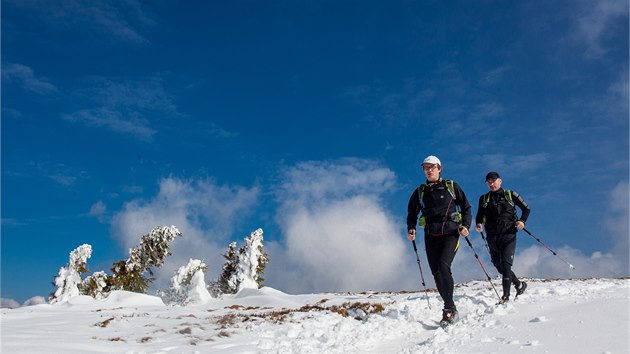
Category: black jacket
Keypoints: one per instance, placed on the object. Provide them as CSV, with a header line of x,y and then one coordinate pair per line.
x,y
500,215
440,209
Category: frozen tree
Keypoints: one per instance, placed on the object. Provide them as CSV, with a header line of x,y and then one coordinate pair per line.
x,y
95,285
222,285
69,278
151,252
188,285
252,261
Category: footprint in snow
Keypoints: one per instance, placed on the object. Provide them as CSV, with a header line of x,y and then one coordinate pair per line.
x,y
540,319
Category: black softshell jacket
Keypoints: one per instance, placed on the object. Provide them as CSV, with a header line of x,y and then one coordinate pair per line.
x,y
500,214
440,209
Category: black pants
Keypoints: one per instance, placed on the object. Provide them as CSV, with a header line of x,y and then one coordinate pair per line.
x,y
441,251
502,250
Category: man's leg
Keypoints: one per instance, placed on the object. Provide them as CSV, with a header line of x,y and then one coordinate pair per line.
x,y
507,258
451,245
433,248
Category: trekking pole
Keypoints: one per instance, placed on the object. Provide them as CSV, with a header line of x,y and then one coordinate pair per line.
x,y
484,241
415,249
482,267
547,247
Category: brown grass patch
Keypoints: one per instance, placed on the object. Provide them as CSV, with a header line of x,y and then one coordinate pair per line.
x,y
104,323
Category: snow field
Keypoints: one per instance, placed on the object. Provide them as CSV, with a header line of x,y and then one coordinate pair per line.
x,y
561,316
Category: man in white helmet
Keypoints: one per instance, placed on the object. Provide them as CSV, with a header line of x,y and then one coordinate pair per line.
x,y
439,200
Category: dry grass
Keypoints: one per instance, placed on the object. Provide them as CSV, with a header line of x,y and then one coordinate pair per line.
x,y
104,323
356,310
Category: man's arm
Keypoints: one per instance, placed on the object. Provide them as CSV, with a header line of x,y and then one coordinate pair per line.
x,y
464,205
413,209
520,202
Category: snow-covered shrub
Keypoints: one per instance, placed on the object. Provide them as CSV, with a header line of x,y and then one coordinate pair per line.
x,y
188,285
151,252
69,278
95,285
222,285
252,261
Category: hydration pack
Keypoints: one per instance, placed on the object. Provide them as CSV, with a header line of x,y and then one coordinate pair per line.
x,y
448,183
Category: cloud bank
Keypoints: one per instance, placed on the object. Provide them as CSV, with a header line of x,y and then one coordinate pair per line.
x,y
337,236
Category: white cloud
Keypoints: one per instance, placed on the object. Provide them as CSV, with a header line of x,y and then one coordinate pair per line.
x,y
345,245
121,19
145,94
25,77
9,303
113,120
61,173
337,235
98,210
12,304
205,213
596,20
62,179
219,132
122,106
537,262
318,182
35,300
486,110
515,163
618,221
493,76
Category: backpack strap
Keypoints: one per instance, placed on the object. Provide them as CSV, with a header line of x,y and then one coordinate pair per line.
x,y
508,196
422,221
421,196
506,192
486,199
448,183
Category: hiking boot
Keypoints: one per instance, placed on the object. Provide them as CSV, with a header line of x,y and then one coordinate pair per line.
x,y
521,290
449,316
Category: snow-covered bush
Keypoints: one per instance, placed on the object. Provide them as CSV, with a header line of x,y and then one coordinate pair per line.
x,y
68,279
222,285
188,285
252,261
151,252
95,285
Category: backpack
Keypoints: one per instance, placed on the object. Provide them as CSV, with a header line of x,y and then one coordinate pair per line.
x,y
448,183
486,199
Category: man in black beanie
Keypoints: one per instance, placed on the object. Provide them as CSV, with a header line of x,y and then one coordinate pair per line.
x,y
497,210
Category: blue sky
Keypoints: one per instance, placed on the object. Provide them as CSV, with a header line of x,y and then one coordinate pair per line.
x,y
308,119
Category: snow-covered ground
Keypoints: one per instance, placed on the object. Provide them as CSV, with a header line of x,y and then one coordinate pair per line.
x,y
559,316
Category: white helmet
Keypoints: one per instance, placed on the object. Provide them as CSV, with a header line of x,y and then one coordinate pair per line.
x,y
433,160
